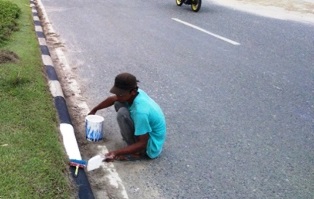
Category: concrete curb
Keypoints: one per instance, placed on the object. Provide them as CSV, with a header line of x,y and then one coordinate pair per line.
x,y
66,128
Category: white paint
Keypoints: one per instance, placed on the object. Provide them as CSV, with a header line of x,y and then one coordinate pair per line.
x,y
39,29
69,141
55,88
95,119
47,60
207,32
42,41
36,18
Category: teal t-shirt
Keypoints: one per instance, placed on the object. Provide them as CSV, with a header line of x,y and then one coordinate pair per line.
x,y
149,118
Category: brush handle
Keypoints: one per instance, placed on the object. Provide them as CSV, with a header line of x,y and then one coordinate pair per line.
x,y
76,171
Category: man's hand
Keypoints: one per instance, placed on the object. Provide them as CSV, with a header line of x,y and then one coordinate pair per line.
x,y
92,112
109,157
133,149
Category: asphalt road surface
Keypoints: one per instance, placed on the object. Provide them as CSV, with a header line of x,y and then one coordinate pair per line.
x,y
237,91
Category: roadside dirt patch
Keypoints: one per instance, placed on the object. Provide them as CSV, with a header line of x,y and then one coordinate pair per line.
x,y
8,56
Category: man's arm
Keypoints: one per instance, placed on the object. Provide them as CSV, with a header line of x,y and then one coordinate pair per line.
x,y
104,104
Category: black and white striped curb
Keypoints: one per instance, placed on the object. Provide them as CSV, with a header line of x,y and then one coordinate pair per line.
x,y
66,128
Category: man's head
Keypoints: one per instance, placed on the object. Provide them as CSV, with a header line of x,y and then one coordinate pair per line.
x,y
124,84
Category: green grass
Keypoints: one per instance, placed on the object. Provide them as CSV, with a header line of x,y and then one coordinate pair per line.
x,y
9,12
33,162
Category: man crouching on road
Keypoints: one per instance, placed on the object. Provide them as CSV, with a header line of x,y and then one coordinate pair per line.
x,y
141,120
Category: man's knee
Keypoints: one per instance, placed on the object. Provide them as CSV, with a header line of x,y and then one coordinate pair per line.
x,y
118,105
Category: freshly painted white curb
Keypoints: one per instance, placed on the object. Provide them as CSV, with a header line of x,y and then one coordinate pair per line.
x,y
69,141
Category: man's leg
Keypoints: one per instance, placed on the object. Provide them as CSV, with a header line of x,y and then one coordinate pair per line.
x,y
125,122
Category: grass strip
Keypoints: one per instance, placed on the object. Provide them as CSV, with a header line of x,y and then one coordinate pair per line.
x,y
33,162
9,13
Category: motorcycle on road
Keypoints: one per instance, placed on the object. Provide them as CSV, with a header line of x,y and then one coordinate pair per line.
x,y
195,4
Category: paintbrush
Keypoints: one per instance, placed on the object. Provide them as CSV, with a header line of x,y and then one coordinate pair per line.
x,y
78,164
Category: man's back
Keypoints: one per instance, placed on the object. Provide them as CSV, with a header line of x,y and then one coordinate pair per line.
x,y
149,118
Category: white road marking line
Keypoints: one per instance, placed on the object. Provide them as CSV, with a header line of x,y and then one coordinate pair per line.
x,y
207,32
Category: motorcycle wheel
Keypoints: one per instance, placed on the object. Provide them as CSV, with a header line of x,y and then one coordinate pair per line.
x,y
179,2
195,5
